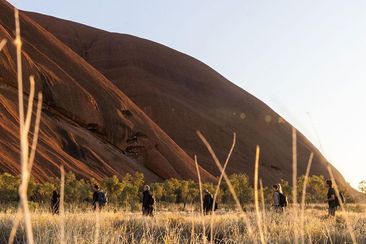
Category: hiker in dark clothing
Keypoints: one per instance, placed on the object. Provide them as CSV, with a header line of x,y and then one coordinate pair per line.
x,y
55,202
99,198
279,199
147,202
276,199
331,199
207,202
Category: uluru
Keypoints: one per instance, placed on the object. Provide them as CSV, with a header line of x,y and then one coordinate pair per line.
x,y
115,104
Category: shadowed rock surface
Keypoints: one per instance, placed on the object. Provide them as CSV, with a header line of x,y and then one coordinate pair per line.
x,y
86,122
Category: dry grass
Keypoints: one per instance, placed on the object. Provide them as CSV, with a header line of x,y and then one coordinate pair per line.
x,y
168,227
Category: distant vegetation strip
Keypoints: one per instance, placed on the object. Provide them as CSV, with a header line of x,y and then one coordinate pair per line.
x,y
126,192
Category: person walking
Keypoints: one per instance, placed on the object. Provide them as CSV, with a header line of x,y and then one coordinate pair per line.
x,y
148,202
55,203
99,198
207,202
331,199
279,199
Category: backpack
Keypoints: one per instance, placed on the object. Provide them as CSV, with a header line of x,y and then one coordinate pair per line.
x,y
283,200
343,200
102,198
152,200
216,206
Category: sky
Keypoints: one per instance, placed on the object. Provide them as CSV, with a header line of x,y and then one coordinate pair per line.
x,y
305,59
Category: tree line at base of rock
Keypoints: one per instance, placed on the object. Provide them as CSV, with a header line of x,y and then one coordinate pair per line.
x,y
126,192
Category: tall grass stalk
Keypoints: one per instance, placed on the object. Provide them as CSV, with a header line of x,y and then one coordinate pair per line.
x,y
329,235
310,240
265,227
192,229
201,198
294,183
30,105
62,202
3,43
97,225
37,123
18,216
230,186
24,126
23,143
343,209
256,195
302,219
218,185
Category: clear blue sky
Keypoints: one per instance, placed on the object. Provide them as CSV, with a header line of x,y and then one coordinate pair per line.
x,y
300,57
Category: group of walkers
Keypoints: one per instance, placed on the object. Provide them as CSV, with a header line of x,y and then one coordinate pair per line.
x,y
279,200
99,200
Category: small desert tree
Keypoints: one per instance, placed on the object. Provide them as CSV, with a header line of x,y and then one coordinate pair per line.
x,y
316,190
172,191
131,194
9,188
76,191
113,187
157,190
44,191
242,187
190,192
362,186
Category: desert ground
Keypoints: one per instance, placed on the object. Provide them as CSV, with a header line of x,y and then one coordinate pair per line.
x,y
168,226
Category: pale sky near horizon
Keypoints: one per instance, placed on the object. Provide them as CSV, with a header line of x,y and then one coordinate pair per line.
x,y
305,59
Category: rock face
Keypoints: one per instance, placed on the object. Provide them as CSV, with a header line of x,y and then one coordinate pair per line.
x,y
87,122
90,125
